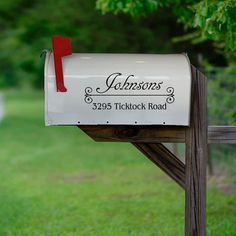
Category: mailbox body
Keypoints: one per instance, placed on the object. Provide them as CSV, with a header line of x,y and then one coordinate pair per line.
x,y
119,89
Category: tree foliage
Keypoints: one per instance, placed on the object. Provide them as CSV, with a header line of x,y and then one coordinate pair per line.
x,y
221,95
26,28
211,19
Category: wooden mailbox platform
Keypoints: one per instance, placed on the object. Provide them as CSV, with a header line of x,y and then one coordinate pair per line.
x,y
191,175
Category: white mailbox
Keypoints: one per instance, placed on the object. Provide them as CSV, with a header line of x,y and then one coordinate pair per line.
x,y
118,89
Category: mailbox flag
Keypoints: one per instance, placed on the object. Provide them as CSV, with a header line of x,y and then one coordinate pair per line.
x,y
61,48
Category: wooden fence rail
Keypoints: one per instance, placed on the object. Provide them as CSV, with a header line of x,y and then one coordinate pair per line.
x,y
156,134
191,175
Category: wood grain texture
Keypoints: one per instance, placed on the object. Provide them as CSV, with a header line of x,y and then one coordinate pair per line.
x,y
192,175
222,134
148,134
155,134
196,159
164,159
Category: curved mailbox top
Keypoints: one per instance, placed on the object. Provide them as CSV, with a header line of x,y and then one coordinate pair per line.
x,y
119,89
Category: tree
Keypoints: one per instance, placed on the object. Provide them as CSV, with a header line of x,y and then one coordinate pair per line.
x,y
210,19
204,20
26,28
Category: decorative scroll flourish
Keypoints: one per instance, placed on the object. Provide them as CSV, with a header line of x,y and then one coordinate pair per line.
x,y
170,93
88,97
88,93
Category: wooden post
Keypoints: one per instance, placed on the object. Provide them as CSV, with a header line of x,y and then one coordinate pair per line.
x,y
191,176
196,159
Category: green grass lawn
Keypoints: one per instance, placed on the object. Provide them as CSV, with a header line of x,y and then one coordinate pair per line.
x,y
57,181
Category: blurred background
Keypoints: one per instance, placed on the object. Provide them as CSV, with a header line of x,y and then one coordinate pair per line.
x,y
55,180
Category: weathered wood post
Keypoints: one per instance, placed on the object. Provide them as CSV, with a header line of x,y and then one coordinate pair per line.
x,y
196,158
146,104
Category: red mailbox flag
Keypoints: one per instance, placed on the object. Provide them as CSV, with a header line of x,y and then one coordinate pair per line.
x,y
61,47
